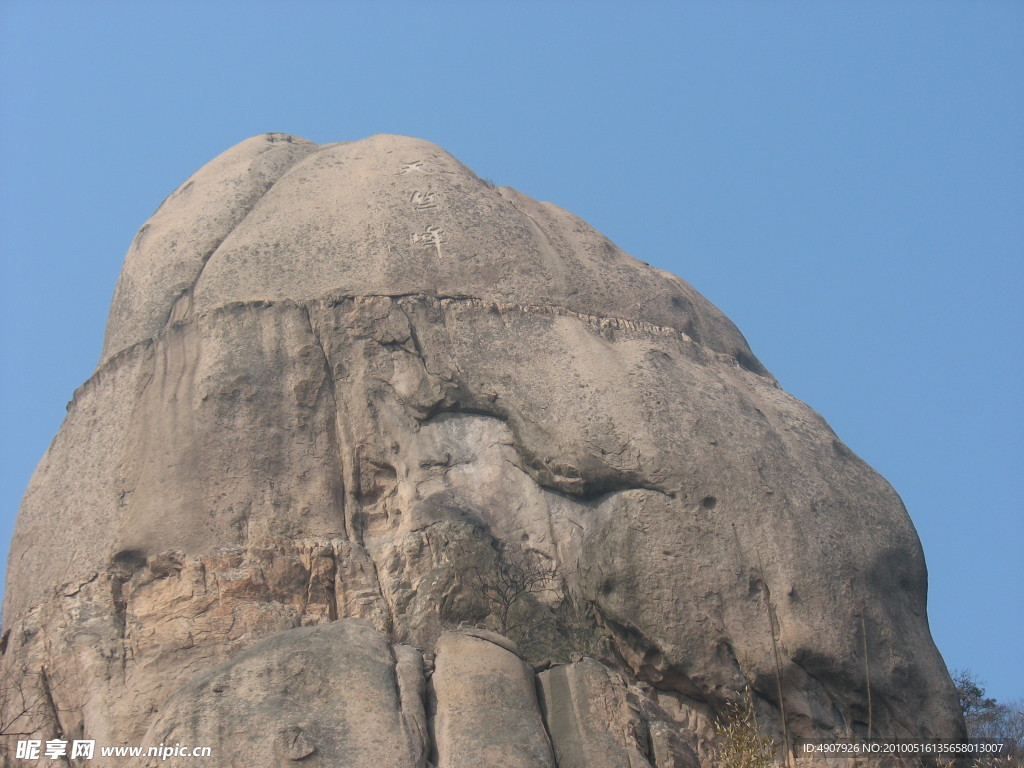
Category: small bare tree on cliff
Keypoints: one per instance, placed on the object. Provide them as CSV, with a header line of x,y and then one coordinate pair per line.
x,y
27,707
528,601
517,575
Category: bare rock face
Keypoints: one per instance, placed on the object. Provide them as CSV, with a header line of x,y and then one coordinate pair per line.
x,y
597,721
324,695
354,381
486,706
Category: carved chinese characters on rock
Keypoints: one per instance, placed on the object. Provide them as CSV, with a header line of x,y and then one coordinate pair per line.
x,y
431,237
422,201
415,166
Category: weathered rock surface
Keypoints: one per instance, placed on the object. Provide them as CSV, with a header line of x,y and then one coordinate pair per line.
x,y
325,695
486,707
595,721
339,694
340,381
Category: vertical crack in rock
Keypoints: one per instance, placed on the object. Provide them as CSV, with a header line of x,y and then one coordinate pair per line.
x,y
412,697
337,420
343,407
545,714
50,703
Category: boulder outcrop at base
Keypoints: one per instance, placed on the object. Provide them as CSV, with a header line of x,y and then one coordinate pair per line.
x,y
338,694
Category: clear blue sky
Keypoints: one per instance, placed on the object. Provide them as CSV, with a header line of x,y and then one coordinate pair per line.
x,y
844,180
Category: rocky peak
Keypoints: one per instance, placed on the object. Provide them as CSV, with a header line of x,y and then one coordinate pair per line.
x,y
366,423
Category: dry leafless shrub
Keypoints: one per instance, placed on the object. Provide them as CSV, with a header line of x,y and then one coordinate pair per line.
x,y
516,576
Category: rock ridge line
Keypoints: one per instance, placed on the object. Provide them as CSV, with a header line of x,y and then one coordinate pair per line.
x,y
597,322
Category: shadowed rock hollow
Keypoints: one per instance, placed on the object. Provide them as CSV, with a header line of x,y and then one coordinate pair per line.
x,y
341,386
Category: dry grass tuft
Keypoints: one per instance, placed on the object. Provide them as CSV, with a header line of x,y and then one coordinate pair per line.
x,y
739,740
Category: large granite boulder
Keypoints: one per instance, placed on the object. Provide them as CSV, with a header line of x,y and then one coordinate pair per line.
x,y
351,381
323,695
